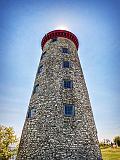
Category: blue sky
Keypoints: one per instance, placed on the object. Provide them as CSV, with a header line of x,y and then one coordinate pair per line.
x,y
96,24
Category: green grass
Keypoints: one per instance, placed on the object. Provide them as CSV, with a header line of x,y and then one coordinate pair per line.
x,y
111,153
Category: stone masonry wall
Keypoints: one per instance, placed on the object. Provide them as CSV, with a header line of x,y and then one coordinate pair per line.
x,y
49,134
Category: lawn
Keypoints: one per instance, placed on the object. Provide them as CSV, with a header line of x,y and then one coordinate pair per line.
x,y
111,153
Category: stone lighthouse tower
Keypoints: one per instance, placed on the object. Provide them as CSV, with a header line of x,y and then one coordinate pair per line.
x,y
59,124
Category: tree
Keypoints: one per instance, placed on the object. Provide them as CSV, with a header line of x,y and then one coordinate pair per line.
x,y
117,140
8,142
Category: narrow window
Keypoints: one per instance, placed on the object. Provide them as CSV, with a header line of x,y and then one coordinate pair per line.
x,y
54,40
31,112
65,50
43,55
69,110
28,113
68,84
40,69
36,88
66,64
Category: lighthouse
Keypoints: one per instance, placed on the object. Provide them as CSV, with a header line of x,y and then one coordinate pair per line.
x,y
59,123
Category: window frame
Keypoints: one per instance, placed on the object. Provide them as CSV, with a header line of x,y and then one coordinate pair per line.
x,y
67,50
68,65
72,111
31,112
36,88
67,86
40,69
43,53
